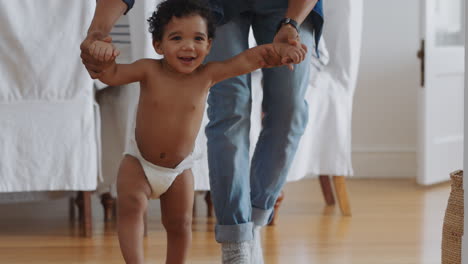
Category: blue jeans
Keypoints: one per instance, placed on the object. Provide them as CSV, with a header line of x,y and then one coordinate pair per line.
x,y
244,193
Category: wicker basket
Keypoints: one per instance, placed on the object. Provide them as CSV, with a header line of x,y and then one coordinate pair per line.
x,y
453,222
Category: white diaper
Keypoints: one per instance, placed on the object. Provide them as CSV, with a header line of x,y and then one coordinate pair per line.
x,y
159,178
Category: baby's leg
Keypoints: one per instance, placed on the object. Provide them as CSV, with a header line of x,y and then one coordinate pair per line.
x,y
176,210
132,200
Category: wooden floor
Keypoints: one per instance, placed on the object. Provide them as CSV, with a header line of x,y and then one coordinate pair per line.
x,y
394,221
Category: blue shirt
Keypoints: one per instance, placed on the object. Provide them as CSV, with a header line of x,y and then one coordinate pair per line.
x,y
129,4
223,10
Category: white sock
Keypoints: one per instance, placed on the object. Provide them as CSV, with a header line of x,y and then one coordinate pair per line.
x,y
257,252
236,252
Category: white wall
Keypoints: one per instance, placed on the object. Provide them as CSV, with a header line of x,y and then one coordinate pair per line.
x,y
384,112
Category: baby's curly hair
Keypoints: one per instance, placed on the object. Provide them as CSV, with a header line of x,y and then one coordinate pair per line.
x,y
179,8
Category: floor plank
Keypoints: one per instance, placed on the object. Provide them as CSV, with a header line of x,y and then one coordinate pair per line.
x,y
394,221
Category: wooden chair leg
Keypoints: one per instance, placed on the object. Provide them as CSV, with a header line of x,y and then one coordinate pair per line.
x,y
86,219
326,189
209,204
71,209
342,195
108,203
79,205
278,202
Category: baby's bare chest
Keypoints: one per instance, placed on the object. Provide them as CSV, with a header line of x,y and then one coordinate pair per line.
x,y
180,97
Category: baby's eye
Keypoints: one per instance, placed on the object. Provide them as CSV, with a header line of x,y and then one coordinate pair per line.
x,y
199,38
176,38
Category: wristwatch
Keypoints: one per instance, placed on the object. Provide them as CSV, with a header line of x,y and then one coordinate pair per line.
x,y
286,21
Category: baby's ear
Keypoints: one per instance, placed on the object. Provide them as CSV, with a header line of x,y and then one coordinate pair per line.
x,y
158,47
210,41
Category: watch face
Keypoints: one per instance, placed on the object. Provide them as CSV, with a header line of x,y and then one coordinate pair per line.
x,y
287,21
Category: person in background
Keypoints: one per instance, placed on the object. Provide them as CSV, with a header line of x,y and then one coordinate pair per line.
x,y
244,191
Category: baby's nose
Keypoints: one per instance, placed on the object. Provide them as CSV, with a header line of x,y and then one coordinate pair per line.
x,y
188,46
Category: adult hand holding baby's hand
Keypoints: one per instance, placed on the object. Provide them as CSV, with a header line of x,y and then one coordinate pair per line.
x,y
295,51
270,58
103,50
290,54
94,66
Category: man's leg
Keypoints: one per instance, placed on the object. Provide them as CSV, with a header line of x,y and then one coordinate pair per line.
x,y
229,105
283,124
284,121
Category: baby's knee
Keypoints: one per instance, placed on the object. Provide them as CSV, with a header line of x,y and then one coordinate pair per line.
x,y
131,204
178,224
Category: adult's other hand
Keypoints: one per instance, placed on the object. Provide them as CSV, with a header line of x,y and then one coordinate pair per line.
x,y
288,34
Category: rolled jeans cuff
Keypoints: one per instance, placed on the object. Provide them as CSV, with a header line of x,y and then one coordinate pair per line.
x,y
261,217
234,233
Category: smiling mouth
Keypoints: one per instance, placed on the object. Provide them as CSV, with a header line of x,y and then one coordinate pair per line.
x,y
187,59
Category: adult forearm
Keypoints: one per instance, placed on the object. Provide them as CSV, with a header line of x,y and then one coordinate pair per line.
x,y
106,14
299,9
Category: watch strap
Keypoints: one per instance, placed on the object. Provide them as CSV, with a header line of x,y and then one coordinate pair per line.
x,y
287,21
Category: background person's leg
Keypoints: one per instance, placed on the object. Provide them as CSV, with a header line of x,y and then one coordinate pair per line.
x,y
284,121
229,105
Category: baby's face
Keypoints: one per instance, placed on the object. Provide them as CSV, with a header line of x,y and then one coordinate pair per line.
x,y
185,43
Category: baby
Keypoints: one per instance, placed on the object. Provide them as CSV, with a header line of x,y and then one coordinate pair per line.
x,y
173,92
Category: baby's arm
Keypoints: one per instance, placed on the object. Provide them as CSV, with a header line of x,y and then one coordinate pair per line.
x,y
263,56
103,51
120,74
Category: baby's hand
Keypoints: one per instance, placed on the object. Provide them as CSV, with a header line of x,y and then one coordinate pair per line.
x,y
103,51
290,54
